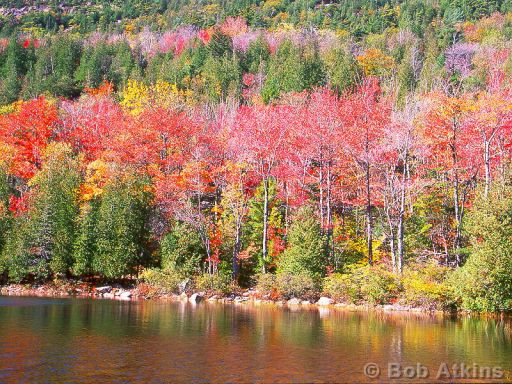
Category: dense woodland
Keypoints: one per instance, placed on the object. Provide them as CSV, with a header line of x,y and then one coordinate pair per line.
x,y
361,149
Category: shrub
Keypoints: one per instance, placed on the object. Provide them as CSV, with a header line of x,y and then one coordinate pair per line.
x,y
378,285
341,288
288,285
371,284
219,283
164,280
266,283
300,285
426,286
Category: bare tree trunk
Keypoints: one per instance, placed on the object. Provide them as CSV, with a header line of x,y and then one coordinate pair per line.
x,y
265,224
321,188
487,162
392,236
456,202
401,216
236,248
330,243
369,224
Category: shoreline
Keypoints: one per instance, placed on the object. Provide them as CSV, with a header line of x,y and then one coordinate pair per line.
x,y
84,290
118,292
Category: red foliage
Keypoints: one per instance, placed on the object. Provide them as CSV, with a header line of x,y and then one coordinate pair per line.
x,y
28,131
19,205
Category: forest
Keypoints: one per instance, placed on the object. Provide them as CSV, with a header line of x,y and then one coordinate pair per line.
x,y
360,150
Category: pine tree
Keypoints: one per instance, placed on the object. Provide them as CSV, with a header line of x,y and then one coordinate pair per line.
x,y
84,247
56,207
12,72
182,249
41,239
5,216
484,283
306,251
121,243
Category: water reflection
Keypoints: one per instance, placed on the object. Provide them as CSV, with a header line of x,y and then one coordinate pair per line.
x,y
47,340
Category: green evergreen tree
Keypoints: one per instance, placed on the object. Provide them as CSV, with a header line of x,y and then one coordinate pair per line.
x,y
222,77
41,240
12,72
95,66
292,69
55,67
484,283
306,251
342,71
84,247
254,226
5,216
182,249
122,239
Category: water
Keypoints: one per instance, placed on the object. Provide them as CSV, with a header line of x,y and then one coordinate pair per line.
x,y
102,341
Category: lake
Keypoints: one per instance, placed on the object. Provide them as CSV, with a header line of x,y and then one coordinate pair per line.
x,y
44,340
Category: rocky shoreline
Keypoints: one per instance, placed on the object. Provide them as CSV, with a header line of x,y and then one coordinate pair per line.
x,y
118,292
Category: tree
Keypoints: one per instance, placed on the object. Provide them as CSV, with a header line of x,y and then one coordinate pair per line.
x,y
28,131
492,116
452,151
182,250
5,215
259,137
316,140
55,67
13,70
41,240
367,115
484,283
306,251
402,152
122,240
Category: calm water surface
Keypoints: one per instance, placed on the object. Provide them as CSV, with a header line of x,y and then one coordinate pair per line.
x,y
104,341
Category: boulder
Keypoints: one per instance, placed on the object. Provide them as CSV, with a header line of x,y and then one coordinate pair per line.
x,y
196,298
305,302
125,295
108,295
240,299
325,301
294,301
183,285
105,289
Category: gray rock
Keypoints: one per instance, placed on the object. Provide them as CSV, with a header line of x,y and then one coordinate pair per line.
x,y
126,295
183,285
108,295
240,299
294,301
305,302
196,298
325,301
105,289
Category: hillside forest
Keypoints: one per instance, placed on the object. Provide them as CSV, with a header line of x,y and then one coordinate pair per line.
x,y
357,149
